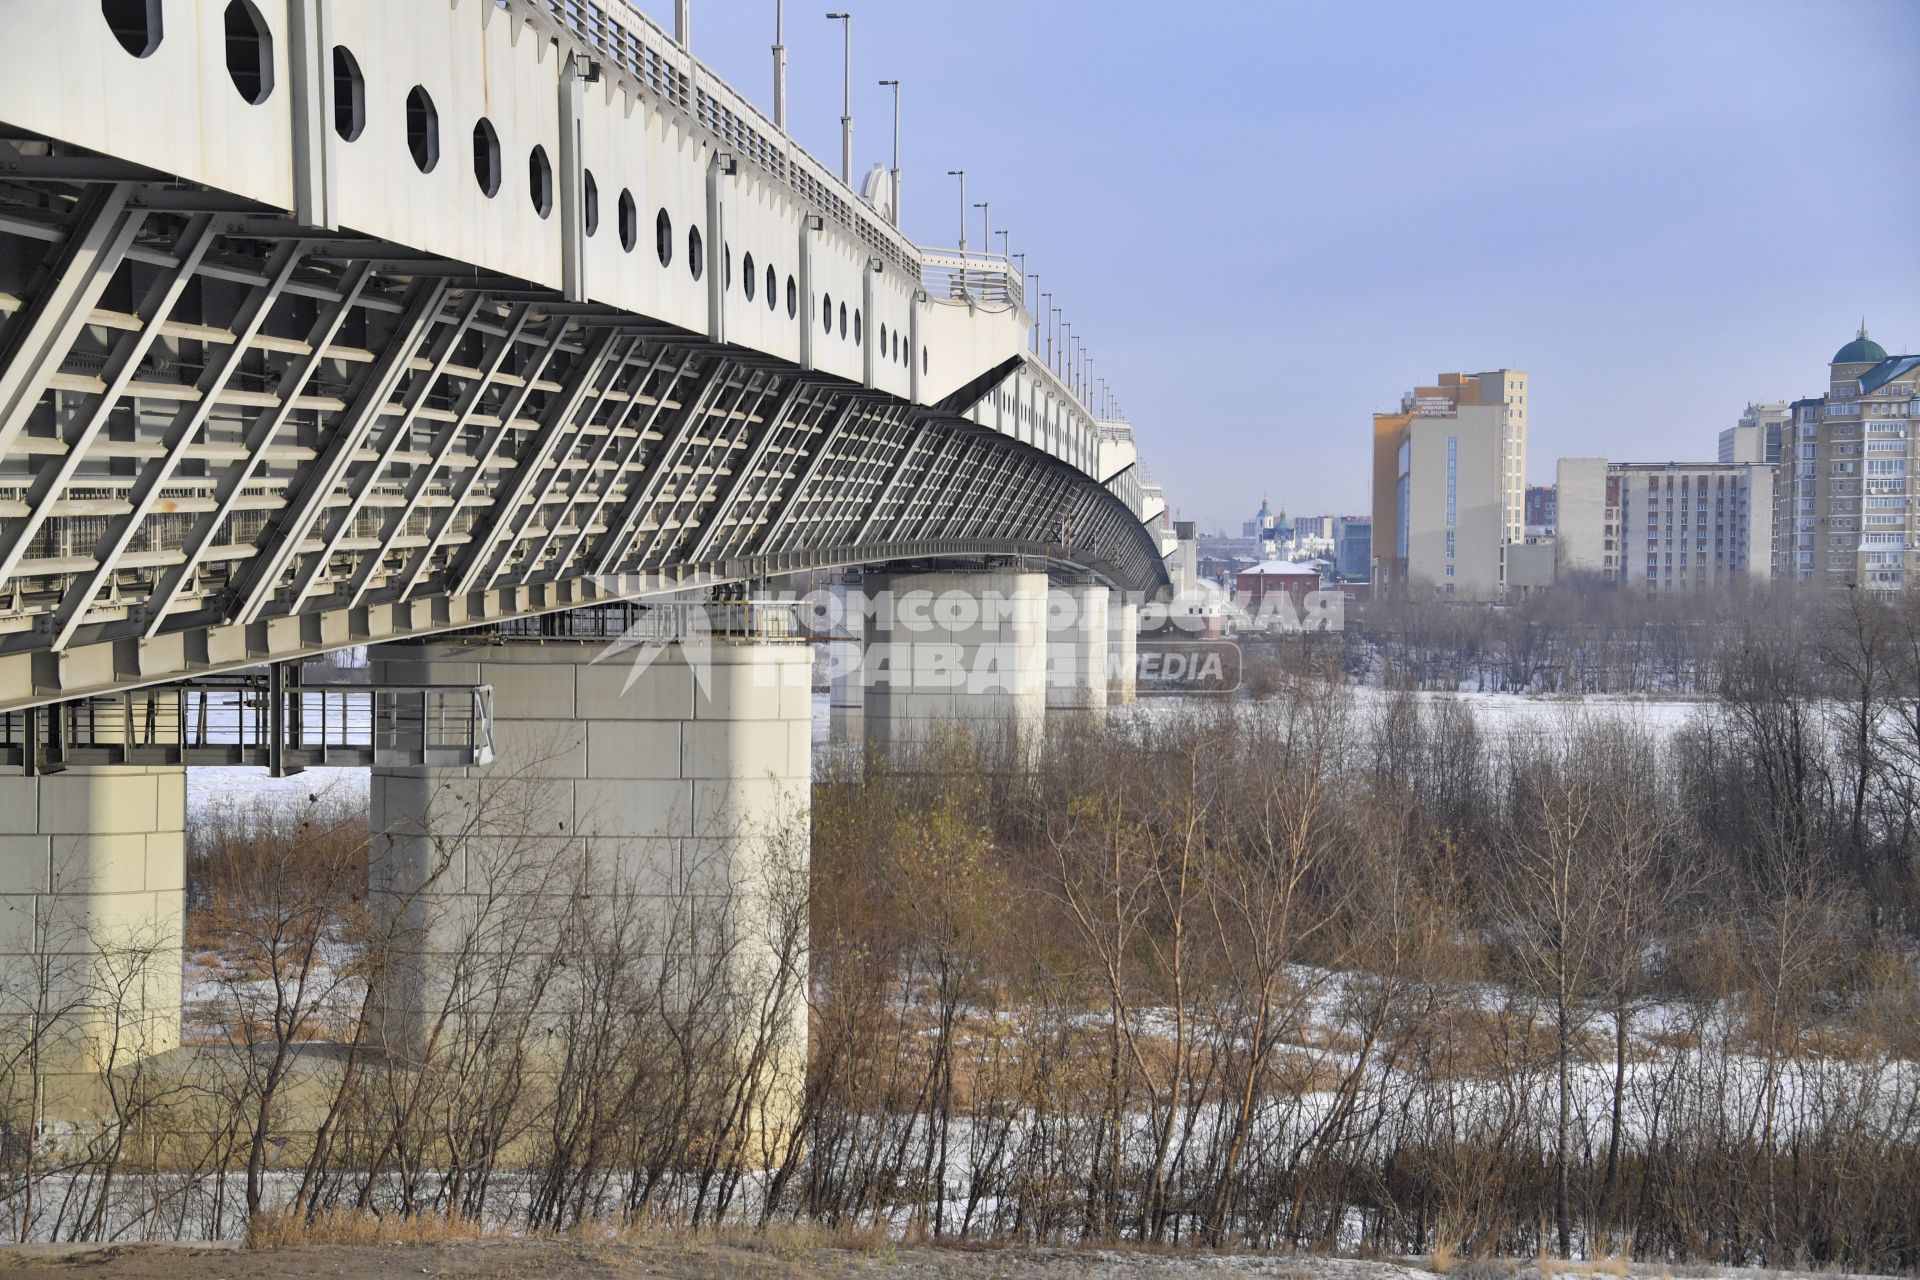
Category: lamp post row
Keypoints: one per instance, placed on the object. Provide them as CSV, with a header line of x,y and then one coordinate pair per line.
x,y
1064,353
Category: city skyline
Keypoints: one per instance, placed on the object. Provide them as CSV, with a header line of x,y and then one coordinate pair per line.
x,y
1692,209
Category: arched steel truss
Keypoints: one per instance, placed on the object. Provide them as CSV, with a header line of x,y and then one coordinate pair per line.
x,y
227,437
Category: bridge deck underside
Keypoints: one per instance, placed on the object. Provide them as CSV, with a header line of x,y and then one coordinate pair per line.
x,y
214,421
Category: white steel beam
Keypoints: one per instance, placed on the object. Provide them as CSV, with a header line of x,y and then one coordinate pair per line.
x,y
260,432
591,465
79,271
444,443
309,493
174,442
122,363
486,552
392,436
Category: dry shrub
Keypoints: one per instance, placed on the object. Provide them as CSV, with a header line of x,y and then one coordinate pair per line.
x,y
233,844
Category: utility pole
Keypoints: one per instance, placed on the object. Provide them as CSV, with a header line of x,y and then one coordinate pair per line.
x,y
846,94
780,65
895,86
962,175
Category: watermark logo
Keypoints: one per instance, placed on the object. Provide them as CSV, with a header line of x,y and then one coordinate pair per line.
x,y
1187,666
674,621
958,640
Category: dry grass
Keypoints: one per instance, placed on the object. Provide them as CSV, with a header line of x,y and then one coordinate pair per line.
x,y
277,1230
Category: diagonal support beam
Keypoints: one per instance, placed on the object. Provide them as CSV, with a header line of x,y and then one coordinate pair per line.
x,y
260,432
283,536
763,498
640,495
444,442
340,522
81,268
887,486
706,465
489,449
906,520
822,450
486,553
770,427
174,442
590,470
941,492
584,526
122,363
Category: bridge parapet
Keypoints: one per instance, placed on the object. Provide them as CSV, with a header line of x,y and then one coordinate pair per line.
x,y
649,56
984,279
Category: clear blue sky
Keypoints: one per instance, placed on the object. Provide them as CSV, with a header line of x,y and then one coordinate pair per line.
x,y
1269,219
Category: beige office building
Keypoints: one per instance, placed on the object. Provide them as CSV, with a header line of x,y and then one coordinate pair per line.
x,y
1667,526
1449,485
1849,508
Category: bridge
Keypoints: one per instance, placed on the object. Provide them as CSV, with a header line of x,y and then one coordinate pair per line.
x,y
399,323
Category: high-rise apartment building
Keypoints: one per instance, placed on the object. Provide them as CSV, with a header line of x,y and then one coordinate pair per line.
x,y
1666,526
1756,437
1449,485
1849,507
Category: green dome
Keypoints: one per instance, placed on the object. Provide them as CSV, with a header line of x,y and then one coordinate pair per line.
x,y
1862,350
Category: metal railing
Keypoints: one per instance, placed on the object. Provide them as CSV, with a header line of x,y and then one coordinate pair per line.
x,y
981,278
251,720
635,46
664,622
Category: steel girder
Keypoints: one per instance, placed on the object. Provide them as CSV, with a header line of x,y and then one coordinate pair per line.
x,y
228,438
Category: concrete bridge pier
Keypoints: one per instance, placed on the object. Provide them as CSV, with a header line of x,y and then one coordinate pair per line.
x,y
1123,635
92,902
955,650
1077,638
846,693
659,797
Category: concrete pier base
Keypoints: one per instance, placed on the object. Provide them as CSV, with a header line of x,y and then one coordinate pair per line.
x,y
92,902
1123,635
1077,649
663,807
955,651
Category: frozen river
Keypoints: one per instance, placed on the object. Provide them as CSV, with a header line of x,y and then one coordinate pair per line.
x,y
1501,714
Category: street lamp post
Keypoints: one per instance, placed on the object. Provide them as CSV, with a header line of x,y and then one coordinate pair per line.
x,y
1045,317
986,236
962,175
780,65
1064,371
846,94
1006,245
895,86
